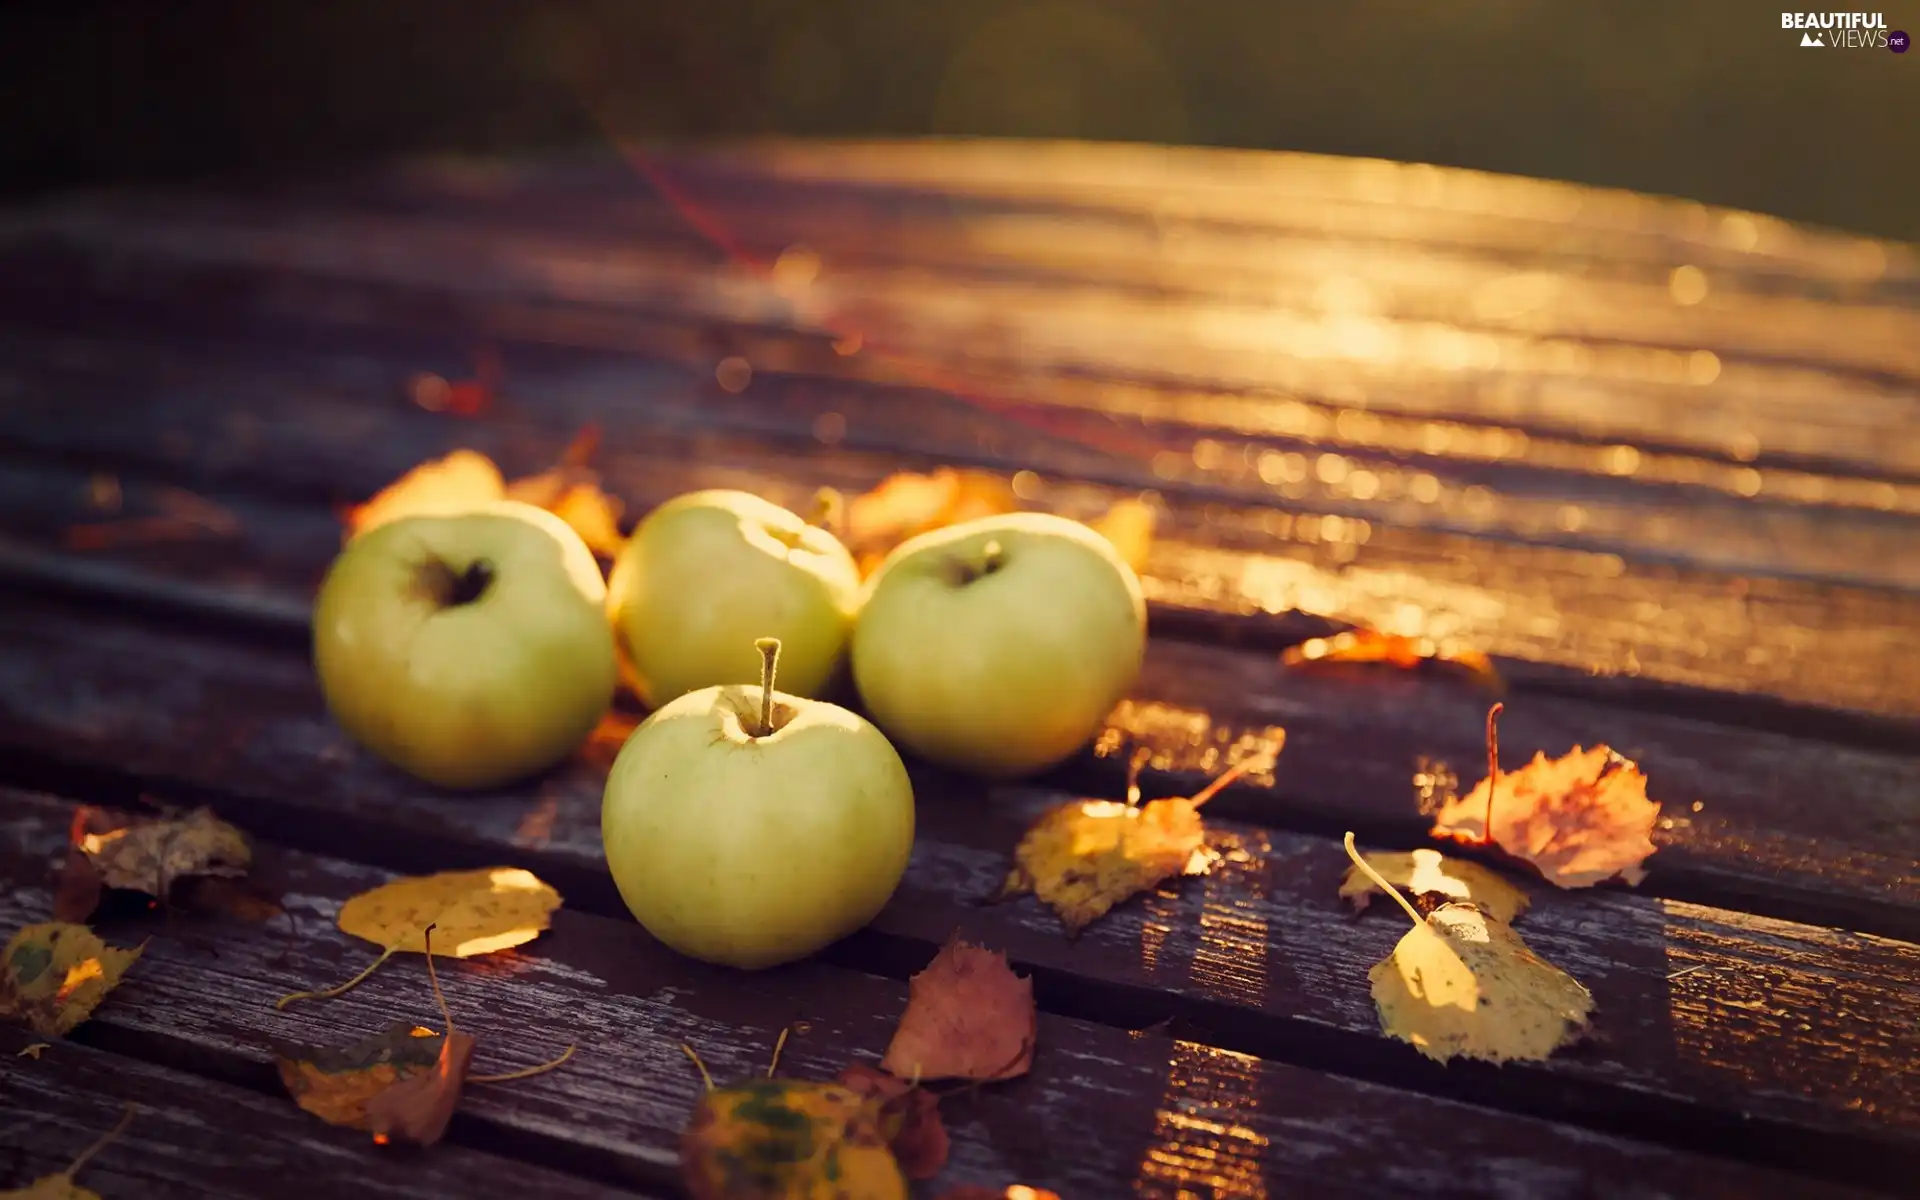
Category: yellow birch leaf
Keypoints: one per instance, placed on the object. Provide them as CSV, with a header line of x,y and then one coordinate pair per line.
x,y
57,973
1439,879
472,912
1461,984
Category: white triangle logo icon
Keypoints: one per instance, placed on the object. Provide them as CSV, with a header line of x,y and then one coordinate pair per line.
x,y
1811,39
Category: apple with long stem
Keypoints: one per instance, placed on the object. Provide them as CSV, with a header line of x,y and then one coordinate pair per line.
x,y
470,650
999,645
750,827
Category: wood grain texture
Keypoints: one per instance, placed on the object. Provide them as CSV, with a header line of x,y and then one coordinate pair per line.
x,y
1355,741
1100,1105
1595,554
1260,957
195,1137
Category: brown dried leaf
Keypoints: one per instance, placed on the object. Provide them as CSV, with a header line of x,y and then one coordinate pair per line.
x,y
909,1119
56,973
1434,879
968,1017
403,1082
1580,819
1372,646
148,854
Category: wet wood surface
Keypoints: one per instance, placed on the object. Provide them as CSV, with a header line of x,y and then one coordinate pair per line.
x,y
1656,459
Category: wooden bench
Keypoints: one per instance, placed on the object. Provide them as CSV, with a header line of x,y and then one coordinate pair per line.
x,y
1662,462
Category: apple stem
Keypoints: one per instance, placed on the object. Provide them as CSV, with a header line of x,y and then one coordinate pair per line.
x,y
1493,767
829,510
769,649
992,557
1380,881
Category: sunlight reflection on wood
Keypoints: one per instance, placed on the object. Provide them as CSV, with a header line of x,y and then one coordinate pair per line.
x,y
1204,1145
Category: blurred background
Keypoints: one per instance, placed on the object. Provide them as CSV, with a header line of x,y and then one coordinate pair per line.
x,y
1709,99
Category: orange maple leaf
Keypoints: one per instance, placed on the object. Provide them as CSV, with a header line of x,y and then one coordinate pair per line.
x,y
1579,819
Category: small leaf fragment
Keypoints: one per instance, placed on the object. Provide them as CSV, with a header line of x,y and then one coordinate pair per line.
x,y
33,1050
968,1016
1406,653
56,973
1463,984
783,1139
1580,819
909,1119
1438,879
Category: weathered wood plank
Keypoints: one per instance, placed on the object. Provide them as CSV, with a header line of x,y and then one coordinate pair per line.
x,y
1101,1106
1355,742
1447,470
196,1137
1260,957
329,419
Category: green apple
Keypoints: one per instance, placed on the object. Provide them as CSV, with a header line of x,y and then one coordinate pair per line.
x,y
999,645
468,649
751,827
708,572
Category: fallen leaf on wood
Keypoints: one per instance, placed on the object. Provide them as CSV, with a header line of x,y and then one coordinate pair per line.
x,y
909,1119
60,1186
1434,879
1407,653
1129,526
783,1139
1083,857
1460,983
338,1085
968,1017
906,504
33,1051
466,479
144,854
57,973
1013,1191
473,912
1580,819
460,482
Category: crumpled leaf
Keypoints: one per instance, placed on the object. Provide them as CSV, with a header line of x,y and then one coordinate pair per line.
x,y
1083,857
1580,819
60,1185
471,912
341,1086
466,479
145,854
909,1119
784,1139
1461,984
968,1017
1129,526
1407,653
1435,879
56,973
